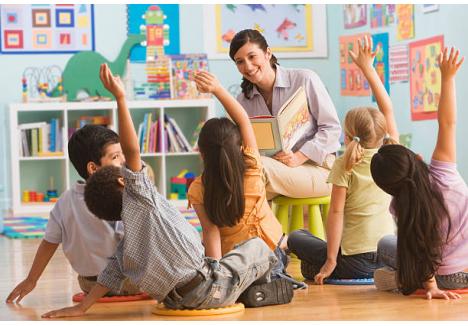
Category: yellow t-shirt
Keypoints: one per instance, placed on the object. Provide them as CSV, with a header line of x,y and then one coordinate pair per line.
x,y
366,212
258,220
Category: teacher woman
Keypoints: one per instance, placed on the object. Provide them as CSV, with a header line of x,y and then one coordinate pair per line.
x,y
265,87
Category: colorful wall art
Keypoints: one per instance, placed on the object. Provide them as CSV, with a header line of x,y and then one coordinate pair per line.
x,y
354,15
382,15
405,22
352,81
291,30
47,28
380,42
425,77
399,67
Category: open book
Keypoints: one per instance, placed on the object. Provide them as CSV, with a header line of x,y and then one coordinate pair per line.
x,y
282,132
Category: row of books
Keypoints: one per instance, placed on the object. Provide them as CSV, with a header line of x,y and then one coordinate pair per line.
x,y
82,121
171,139
41,139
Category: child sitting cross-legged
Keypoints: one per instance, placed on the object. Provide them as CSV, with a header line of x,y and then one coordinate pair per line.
x,y
359,210
87,242
161,252
430,205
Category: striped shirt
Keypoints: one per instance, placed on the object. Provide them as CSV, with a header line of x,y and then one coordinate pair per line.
x,y
160,249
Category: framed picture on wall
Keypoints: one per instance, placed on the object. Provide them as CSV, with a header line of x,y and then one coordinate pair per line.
x,y
46,28
354,15
425,79
292,31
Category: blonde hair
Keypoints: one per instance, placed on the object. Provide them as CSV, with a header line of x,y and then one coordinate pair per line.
x,y
365,127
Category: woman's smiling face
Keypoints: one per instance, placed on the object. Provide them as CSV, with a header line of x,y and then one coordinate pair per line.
x,y
253,63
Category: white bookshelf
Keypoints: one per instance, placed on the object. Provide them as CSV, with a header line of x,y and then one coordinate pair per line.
x,y
32,173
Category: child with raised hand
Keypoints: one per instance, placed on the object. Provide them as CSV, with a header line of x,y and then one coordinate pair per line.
x,y
230,197
430,204
161,252
87,242
358,217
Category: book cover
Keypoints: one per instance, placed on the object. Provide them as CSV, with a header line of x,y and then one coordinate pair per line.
x,y
281,133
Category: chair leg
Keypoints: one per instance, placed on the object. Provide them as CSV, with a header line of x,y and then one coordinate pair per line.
x,y
283,218
315,222
297,218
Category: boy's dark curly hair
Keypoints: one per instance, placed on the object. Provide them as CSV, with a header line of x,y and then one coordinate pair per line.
x,y
103,193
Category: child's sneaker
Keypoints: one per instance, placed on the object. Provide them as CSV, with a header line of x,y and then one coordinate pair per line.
x,y
385,279
279,291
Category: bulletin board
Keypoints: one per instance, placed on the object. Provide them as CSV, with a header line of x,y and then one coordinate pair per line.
x,y
352,80
290,30
46,28
425,78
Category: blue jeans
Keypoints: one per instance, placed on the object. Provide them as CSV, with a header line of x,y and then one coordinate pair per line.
x,y
313,251
387,250
224,280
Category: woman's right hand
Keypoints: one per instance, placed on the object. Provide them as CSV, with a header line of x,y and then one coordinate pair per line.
x,y
206,82
326,270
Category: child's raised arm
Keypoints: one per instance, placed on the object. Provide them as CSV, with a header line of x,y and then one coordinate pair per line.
x,y
364,59
207,83
128,136
445,149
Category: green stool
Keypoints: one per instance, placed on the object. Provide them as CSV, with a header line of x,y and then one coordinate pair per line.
x,y
316,221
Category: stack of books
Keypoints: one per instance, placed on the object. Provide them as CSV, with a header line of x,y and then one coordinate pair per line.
x,y
40,139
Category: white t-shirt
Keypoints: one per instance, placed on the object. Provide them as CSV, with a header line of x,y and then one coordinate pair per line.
x,y
87,241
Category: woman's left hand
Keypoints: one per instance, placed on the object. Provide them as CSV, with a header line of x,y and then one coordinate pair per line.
x,y
291,159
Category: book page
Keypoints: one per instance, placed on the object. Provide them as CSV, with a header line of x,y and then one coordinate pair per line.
x,y
264,135
294,119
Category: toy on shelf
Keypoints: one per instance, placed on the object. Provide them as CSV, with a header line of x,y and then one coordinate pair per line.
x,y
32,196
42,84
180,184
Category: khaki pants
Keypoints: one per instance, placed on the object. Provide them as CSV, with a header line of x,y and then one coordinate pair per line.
x,y
307,180
87,283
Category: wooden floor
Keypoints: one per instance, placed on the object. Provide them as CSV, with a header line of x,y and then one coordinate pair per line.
x,y
328,302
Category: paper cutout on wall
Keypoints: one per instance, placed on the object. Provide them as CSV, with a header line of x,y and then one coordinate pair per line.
x,y
399,64
381,59
405,22
354,15
382,15
135,19
429,8
425,80
44,28
353,82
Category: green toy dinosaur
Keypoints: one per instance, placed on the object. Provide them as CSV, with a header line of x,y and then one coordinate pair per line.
x,y
82,70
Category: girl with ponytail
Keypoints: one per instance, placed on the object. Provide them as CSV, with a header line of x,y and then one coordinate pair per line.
x,y
229,197
430,205
359,210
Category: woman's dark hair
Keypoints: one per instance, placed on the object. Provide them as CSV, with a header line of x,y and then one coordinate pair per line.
x,y
420,213
240,39
223,172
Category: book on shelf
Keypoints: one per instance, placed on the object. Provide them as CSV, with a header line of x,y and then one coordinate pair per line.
x,y
281,133
101,120
40,139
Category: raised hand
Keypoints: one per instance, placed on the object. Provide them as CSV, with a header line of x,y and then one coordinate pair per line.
x,y
206,82
364,56
448,62
20,291
112,83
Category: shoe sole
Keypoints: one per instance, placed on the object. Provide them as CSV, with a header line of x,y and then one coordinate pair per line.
x,y
385,279
279,291
307,270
